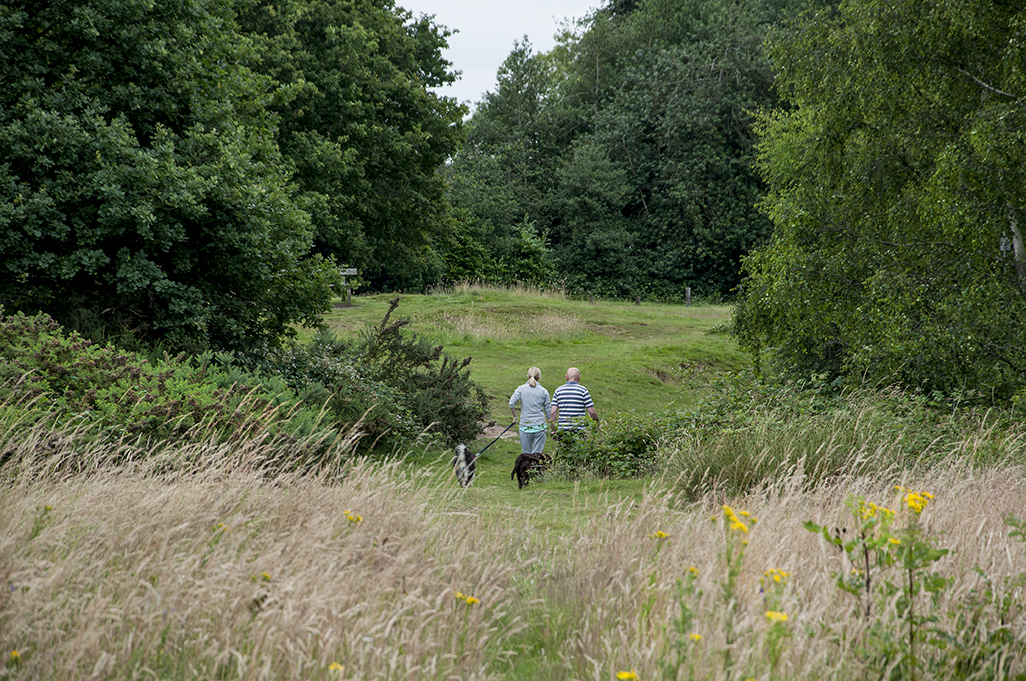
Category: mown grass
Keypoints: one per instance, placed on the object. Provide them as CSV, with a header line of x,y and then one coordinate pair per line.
x,y
639,357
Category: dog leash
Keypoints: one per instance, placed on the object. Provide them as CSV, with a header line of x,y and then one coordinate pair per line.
x,y
494,441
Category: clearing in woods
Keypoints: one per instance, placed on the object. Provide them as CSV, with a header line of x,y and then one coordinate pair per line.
x,y
639,358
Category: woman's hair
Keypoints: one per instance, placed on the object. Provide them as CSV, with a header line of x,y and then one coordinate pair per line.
x,y
533,376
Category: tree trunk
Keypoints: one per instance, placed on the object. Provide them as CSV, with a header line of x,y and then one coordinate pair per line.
x,y
1018,250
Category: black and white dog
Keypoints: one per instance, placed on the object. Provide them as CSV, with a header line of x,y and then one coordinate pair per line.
x,y
464,463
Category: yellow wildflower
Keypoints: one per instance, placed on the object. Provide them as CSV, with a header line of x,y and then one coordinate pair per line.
x,y
459,595
693,570
15,656
774,616
695,637
471,600
266,576
777,575
353,517
624,676
894,540
735,522
917,502
871,510
335,667
659,535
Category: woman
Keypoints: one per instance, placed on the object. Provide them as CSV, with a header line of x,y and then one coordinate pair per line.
x,y
534,403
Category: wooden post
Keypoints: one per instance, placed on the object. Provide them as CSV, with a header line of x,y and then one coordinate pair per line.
x,y
687,296
591,299
637,301
349,272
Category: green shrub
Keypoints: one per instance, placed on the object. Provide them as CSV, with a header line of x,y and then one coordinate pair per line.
x,y
97,392
625,447
437,387
327,373
74,378
397,382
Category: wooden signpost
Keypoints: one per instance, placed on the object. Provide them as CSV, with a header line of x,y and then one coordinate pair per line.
x,y
349,272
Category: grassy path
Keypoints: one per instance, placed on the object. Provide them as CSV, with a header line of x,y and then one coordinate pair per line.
x,y
631,357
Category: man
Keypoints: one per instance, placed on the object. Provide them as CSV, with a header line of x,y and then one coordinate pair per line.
x,y
570,402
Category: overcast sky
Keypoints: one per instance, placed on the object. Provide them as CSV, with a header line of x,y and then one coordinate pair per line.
x,y
487,30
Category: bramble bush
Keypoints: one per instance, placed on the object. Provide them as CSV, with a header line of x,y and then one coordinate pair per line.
x,y
625,447
69,395
74,381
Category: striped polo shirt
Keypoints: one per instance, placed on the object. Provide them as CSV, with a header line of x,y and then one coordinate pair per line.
x,y
572,400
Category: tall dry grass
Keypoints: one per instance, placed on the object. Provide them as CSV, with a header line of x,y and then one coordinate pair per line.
x,y
613,583
228,570
544,325
857,439
520,289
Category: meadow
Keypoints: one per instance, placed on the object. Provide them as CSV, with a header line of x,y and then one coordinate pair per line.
x,y
637,357
125,567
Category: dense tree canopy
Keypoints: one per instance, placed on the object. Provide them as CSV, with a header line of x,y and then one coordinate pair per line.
x,y
141,189
364,135
629,148
185,172
897,184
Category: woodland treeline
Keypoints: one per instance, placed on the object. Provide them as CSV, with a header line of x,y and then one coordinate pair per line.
x,y
192,174
622,162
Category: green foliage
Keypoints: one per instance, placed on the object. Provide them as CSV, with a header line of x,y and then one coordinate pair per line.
x,y
142,194
438,388
100,392
681,645
747,433
624,447
895,183
899,595
392,383
396,381
363,133
327,374
496,181
630,146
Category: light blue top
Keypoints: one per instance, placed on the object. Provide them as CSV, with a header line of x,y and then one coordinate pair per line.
x,y
534,407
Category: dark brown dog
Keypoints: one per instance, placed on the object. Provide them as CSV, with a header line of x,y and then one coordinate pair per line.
x,y
526,465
